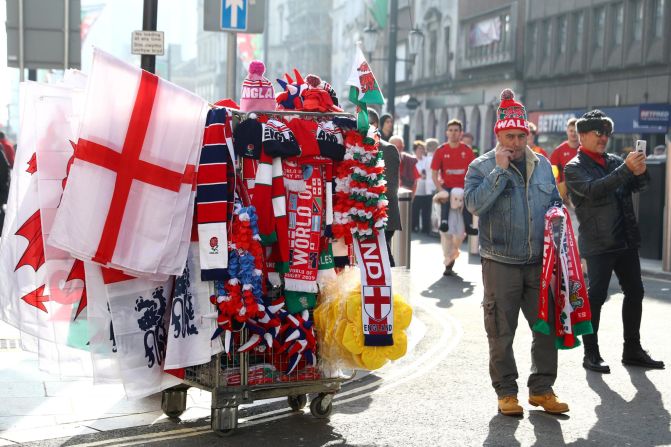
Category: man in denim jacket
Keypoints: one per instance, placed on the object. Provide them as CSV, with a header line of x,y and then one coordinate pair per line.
x,y
510,188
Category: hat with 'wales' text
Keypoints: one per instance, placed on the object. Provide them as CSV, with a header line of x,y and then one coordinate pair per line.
x,y
511,114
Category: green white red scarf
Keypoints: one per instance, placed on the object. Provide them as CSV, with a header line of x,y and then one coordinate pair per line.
x,y
562,273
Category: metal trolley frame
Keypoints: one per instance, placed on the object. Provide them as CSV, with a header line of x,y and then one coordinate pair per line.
x,y
227,397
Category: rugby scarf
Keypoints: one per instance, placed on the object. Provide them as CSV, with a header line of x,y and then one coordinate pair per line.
x,y
377,303
562,273
212,194
304,211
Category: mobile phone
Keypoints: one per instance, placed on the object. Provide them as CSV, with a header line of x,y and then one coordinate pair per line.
x,y
641,146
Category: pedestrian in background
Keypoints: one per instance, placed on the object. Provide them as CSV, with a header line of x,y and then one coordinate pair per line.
x,y
562,155
392,163
600,186
7,149
386,126
408,175
533,139
511,188
421,204
448,169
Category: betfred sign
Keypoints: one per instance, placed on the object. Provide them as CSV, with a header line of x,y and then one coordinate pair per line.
x,y
654,114
553,122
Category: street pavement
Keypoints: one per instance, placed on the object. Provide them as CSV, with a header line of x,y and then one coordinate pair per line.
x,y
439,394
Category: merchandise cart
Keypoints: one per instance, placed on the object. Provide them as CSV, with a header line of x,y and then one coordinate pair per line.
x,y
242,378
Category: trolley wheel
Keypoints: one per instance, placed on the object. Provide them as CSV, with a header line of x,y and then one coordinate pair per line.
x,y
224,420
298,402
317,407
173,402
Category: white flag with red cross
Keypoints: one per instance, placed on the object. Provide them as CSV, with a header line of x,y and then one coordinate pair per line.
x,y
127,203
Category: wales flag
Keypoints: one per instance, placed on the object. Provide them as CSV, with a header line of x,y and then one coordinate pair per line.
x,y
364,89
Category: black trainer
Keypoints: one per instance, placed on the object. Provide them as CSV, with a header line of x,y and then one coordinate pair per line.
x,y
594,362
636,356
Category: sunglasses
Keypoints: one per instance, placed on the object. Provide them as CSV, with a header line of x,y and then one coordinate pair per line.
x,y
602,133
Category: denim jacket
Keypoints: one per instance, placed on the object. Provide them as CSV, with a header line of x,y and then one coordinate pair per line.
x,y
511,211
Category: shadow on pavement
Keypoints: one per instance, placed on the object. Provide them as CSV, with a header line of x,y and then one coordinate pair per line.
x,y
547,428
502,431
637,422
448,288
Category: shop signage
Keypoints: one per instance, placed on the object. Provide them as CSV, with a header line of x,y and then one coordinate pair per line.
x,y
553,122
654,114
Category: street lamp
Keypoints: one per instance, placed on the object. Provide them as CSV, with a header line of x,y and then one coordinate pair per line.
x,y
415,40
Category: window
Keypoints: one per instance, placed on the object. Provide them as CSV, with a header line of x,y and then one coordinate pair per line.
x,y
433,50
545,53
561,35
599,26
579,31
637,20
618,23
658,18
532,40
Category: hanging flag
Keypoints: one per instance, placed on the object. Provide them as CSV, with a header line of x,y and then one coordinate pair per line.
x,y
379,9
364,89
126,204
192,318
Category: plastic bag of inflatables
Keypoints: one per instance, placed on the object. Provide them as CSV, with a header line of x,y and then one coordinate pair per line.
x,y
339,327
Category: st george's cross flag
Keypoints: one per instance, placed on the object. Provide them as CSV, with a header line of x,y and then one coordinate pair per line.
x,y
127,198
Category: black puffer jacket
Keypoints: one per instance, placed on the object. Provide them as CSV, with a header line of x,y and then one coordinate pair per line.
x,y
602,200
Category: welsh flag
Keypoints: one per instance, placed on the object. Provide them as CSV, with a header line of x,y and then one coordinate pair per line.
x,y
364,89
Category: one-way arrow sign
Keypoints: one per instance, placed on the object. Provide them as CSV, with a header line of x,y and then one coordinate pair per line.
x,y
233,15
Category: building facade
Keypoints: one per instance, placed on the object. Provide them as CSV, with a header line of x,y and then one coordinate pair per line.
x,y
610,54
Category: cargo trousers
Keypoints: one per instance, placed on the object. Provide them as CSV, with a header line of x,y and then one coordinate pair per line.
x,y
510,288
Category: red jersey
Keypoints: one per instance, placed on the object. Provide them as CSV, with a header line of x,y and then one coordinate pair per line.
x,y
562,155
452,164
539,150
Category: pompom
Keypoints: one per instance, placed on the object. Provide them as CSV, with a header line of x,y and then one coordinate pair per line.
x,y
507,95
313,80
256,68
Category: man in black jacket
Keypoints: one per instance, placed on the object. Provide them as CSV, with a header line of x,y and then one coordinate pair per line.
x,y
600,186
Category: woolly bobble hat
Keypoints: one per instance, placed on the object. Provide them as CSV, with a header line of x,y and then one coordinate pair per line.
x,y
257,91
511,114
248,139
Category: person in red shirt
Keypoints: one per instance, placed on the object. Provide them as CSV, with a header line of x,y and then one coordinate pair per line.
x,y
8,149
448,170
563,154
533,135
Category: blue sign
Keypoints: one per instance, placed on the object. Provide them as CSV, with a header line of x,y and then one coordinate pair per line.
x,y
654,114
626,120
234,15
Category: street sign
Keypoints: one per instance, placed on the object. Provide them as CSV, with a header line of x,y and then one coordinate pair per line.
x,y
44,42
233,15
244,16
148,42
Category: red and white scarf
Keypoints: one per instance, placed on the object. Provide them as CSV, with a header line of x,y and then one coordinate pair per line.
x,y
377,306
562,273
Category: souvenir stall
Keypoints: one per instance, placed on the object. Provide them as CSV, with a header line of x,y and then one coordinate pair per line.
x,y
163,242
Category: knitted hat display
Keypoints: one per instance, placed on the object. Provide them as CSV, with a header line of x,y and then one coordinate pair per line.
x,y
278,140
290,98
319,95
248,138
305,131
595,120
511,114
257,91
228,103
330,140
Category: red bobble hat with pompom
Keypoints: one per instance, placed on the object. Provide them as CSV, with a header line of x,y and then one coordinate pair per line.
x,y
511,114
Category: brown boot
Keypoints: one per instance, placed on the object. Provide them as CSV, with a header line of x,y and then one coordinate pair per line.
x,y
549,403
509,406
